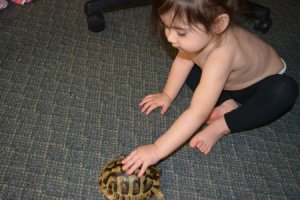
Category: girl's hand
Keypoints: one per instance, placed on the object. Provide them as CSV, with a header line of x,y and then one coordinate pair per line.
x,y
143,157
153,101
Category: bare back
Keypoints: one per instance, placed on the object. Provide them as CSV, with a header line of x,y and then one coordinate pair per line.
x,y
253,59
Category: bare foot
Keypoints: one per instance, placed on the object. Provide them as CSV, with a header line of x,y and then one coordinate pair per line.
x,y
221,110
208,137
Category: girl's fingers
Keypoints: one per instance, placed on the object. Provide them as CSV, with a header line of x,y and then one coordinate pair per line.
x,y
135,166
146,107
151,108
126,166
128,161
164,109
143,169
146,99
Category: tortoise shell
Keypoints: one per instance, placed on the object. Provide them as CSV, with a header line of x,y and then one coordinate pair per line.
x,y
115,184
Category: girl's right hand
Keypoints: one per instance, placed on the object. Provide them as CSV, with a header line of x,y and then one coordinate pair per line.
x,y
153,101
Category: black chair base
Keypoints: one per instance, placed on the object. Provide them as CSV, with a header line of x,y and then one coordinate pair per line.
x,y
94,10
260,14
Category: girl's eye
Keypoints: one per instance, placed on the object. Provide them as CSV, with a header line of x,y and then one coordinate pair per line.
x,y
181,34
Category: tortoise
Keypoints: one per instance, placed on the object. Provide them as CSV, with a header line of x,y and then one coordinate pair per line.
x,y
115,184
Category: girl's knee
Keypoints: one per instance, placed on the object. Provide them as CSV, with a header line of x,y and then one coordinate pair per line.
x,y
287,90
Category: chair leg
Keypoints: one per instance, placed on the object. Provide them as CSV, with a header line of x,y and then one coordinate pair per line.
x,y
259,13
96,22
94,9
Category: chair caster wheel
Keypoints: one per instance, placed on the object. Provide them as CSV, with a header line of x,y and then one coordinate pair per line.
x,y
96,22
263,25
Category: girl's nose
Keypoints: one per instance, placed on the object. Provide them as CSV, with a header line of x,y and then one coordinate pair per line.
x,y
171,37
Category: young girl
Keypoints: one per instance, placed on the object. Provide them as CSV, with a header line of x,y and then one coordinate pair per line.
x,y
239,82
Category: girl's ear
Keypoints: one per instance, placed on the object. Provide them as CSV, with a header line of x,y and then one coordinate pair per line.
x,y
221,23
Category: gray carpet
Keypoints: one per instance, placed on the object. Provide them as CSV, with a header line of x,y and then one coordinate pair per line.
x,y
69,104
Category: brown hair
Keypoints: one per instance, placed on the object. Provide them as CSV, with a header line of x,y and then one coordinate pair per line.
x,y
195,11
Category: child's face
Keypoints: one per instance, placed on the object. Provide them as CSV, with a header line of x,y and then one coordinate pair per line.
x,y
183,37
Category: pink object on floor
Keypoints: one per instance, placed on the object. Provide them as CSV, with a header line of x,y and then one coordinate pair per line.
x,y
21,2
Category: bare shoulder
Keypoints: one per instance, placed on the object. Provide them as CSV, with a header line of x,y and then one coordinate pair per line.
x,y
222,57
218,56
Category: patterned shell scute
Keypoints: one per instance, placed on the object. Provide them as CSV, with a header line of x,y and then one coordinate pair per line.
x,y
115,184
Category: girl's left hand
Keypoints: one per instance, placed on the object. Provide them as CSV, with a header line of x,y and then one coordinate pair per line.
x,y
152,101
143,156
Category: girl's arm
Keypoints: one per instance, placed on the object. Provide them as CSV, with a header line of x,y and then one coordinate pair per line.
x,y
180,69
214,76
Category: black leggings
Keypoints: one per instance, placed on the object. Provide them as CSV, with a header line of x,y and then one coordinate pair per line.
x,y
261,103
